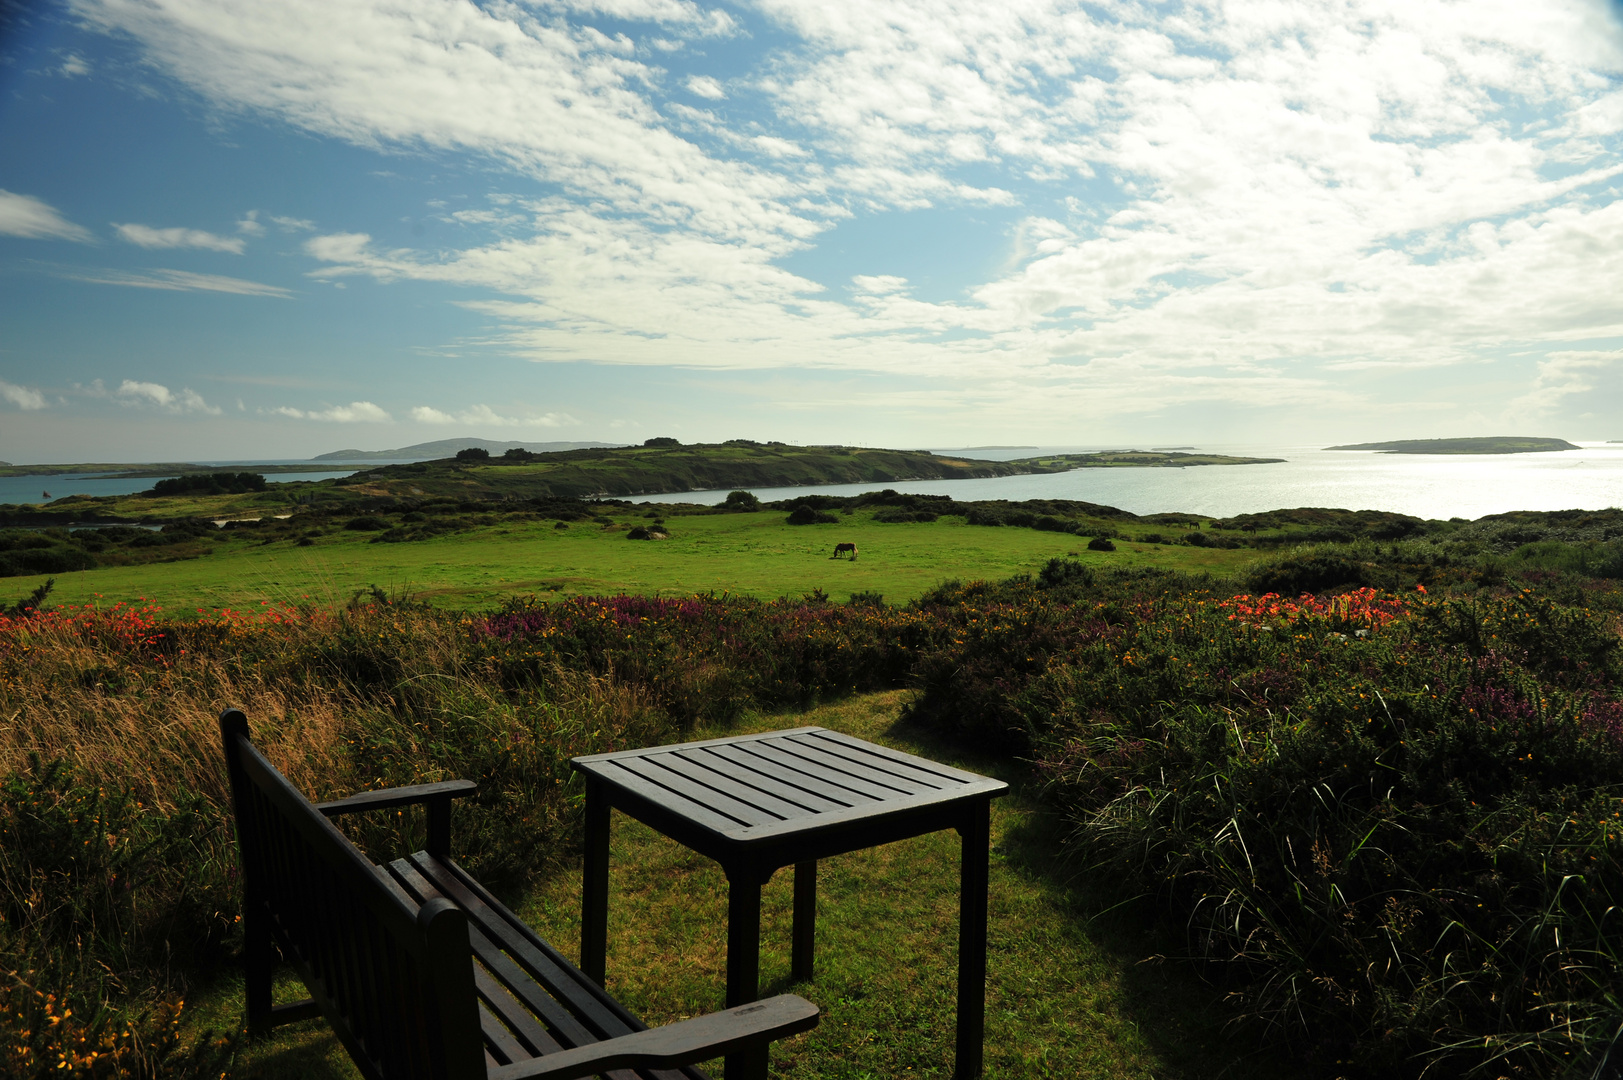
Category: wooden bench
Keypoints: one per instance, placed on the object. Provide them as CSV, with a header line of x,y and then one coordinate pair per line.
x,y
420,971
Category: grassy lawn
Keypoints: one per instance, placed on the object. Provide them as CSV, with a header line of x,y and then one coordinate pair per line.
x,y
750,554
1072,990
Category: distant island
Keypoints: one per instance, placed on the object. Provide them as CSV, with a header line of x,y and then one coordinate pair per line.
x,y
1171,449
444,448
1492,444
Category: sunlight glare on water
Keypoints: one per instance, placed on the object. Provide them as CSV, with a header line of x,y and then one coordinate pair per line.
x,y
1427,486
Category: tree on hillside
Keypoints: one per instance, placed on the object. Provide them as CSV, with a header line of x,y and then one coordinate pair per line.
x,y
473,453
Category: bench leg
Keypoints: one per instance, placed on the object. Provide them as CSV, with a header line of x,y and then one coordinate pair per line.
x,y
805,929
973,882
744,965
259,964
594,893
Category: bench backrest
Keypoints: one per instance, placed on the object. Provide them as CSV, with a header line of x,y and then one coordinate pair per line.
x,y
394,978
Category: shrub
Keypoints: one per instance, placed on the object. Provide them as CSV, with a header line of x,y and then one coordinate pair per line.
x,y
1310,572
473,453
1101,543
807,515
368,523
1058,572
220,483
897,516
741,501
1404,848
662,441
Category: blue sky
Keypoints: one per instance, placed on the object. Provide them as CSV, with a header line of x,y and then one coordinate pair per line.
x,y
238,229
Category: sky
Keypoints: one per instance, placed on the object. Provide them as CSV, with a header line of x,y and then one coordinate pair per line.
x,y
232,229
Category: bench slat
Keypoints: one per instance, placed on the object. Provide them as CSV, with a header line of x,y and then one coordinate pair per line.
x,y
566,1030
510,927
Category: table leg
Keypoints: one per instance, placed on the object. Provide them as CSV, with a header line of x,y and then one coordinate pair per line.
x,y
594,893
972,900
805,931
744,965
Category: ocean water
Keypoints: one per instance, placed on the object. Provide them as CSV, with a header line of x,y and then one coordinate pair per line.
x,y
1466,486
1429,486
32,489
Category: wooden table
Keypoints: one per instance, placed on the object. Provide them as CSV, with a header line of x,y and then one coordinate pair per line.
x,y
757,803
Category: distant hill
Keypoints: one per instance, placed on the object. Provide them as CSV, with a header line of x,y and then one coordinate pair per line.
x,y
1492,444
445,448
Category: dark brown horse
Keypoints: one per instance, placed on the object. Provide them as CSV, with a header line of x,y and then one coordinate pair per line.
x,y
841,549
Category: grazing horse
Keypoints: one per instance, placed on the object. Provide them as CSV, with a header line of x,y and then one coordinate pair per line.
x,y
841,549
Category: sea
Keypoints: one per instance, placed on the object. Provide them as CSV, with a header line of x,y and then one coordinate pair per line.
x,y
1428,486
40,489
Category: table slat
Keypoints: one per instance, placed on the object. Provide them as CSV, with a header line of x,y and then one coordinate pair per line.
x,y
901,785
681,788
867,751
732,781
784,781
826,779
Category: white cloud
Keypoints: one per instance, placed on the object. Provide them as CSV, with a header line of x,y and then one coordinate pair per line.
x,y
249,225
1212,201
356,412
24,215
74,66
706,87
485,416
1568,374
292,224
25,398
177,281
148,237
132,392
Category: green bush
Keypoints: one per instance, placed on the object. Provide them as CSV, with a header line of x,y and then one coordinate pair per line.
x,y
808,515
212,483
1405,848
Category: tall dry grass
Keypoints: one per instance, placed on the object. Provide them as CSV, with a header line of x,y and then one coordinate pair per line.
x,y
118,879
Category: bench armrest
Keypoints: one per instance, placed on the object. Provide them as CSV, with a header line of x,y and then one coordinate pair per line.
x,y
437,796
673,1045
389,798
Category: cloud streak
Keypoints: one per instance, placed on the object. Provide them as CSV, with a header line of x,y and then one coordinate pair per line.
x,y
185,400
177,281
483,416
148,237
26,216
356,412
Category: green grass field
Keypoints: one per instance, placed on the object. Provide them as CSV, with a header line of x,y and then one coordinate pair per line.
x,y
748,554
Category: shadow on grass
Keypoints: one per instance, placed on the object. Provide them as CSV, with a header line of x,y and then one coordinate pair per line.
x,y
1174,1008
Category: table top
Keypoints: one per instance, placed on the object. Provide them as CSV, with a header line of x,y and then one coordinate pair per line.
x,y
780,785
